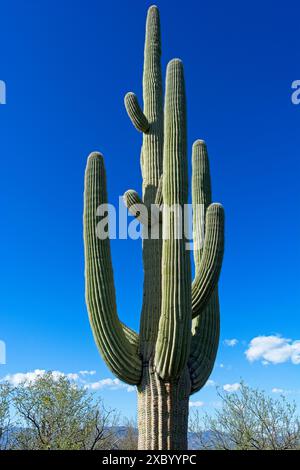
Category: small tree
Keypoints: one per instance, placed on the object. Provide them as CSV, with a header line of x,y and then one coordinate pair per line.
x,y
129,438
57,414
5,393
250,420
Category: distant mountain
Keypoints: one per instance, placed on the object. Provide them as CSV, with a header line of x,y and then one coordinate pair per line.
x,y
193,440
120,432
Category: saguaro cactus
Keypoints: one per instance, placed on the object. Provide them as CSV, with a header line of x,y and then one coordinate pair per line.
x,y
174,352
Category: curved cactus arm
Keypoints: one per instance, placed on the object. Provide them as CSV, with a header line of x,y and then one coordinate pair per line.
x,y
201,197
174,334
205,342
208,274
206,326
117,351
135,113
135,206
159,192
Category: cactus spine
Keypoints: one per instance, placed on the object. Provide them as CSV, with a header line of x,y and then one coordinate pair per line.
x,y
174,352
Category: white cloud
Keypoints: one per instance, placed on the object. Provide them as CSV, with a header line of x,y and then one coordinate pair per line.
x,y
87,372
210,383
231,342
283,391
111,384
232,387
196,404
273,349
225,366
27,377
72,376
30,377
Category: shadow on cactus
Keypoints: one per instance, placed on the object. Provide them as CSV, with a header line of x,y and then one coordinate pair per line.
x,y
174,352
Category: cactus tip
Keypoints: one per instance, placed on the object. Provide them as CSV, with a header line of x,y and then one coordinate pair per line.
x,y
127,193
175,65
129,94
175,62
95,156
153,8
215,206
199,142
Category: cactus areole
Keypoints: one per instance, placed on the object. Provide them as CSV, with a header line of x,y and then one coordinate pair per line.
x,y
174,352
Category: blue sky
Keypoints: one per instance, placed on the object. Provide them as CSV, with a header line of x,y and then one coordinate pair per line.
x,y
67,66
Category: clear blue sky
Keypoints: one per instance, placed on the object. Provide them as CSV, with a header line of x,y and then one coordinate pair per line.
x,y
67,66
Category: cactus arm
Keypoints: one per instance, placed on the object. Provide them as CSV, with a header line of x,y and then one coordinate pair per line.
x,y
117,351
173,340
205,342
208,274
201,197
206,326
135,113
131,198
135,206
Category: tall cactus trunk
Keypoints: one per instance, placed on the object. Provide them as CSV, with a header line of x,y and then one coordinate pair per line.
x,y
174,352
163,411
